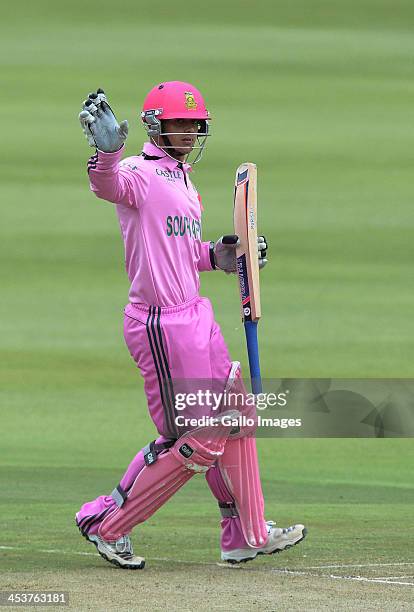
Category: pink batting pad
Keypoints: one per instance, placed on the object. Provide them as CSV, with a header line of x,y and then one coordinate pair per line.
x,y
193,453
240,471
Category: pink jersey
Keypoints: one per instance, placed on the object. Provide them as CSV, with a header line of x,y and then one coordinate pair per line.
x,y
159,214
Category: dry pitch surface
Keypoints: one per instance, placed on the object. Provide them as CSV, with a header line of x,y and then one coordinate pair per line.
x,y
165,584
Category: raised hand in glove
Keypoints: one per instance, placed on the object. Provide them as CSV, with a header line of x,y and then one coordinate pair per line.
x,y
225,252
100,125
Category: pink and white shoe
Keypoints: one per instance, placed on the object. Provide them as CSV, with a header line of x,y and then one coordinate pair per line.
x,y
278,540
119,553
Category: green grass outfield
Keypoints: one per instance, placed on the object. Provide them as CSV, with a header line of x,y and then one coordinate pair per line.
x,y
320,95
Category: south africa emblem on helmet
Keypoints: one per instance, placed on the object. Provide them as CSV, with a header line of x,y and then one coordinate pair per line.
x,y
190,102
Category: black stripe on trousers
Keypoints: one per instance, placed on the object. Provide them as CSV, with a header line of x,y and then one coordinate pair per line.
x,y
165,385
168,379
169,406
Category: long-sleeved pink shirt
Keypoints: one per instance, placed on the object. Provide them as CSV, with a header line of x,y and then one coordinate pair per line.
x,y
159,214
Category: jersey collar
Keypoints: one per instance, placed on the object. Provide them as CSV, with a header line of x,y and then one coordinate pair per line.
x,y
167,162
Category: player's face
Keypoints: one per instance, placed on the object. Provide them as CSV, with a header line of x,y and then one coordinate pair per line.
x,y
182,134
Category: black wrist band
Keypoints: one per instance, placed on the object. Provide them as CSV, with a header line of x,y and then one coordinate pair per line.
x,y
211,253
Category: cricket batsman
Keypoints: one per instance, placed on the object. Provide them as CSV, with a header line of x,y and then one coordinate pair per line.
x,y
170,331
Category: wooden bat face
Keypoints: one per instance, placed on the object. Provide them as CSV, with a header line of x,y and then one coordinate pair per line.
x,y
245,226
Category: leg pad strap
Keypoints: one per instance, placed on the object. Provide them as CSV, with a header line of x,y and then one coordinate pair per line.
x,y
228,510
193,453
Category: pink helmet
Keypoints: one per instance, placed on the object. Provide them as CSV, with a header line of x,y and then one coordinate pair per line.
x,y
175,100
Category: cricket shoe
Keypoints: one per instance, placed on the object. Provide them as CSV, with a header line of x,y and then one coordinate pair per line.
x,y
119,553
278,540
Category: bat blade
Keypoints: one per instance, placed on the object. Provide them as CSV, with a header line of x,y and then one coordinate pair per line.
x,y
245,226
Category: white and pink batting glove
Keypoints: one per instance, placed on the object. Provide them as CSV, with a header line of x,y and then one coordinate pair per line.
x,y
225,253
99,124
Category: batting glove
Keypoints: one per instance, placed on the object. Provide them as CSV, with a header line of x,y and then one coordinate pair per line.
x,y
225,253
262,251
100,125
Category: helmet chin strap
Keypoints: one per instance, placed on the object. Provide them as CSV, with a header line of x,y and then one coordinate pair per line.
x,y
171,148
154,129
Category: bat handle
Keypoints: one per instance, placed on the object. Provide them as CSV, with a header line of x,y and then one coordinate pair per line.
x,y
250,327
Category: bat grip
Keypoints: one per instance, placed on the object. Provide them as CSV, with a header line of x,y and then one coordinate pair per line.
x,y
250,328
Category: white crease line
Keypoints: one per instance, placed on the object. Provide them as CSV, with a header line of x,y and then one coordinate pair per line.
x,y
393,577
291,572
334,577
51,551
54,551
375,580
67,552
361,565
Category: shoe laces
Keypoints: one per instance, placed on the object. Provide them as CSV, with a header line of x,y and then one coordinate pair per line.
x,y
124,546
271,524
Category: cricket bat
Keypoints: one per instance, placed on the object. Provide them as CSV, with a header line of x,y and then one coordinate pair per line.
x,y
245,226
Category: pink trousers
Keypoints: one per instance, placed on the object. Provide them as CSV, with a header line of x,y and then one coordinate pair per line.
x,y
172,347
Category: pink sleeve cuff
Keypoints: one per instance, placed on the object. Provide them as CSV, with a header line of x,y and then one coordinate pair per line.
x,y
108,160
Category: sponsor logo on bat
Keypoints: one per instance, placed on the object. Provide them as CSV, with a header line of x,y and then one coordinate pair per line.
x,y
252,219
243,278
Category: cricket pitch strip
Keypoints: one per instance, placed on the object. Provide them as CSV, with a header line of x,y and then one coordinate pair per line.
x,y
165,584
